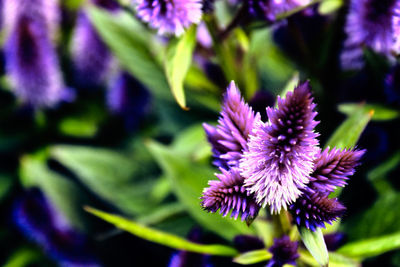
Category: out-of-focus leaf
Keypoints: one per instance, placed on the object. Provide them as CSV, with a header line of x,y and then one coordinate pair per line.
x,y
290,85
335,260
162,238
108,174
265,230
78,127
329,6
161,189
197,80
127,39
379,174
188,179
6,183
315,243
371,247
253,257
22,257
381,112
177,63
61,191
348,133
162,213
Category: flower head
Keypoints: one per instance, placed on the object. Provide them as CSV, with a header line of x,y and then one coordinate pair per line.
x,y
313,210
281,152
229,195
284,251
32,64
269,9
229,138
332,168
169,16
374,24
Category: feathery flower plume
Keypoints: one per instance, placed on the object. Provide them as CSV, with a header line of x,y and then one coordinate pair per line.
x,y
44,225
374,24
281,152
31,61
90,55
229,138
313,210
169,17
332,168
284,251
228,194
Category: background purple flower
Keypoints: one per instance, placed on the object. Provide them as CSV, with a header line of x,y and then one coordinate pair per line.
x,y
281,152
229,195
39,221
373,24
284,251
269,9
169,17
229,138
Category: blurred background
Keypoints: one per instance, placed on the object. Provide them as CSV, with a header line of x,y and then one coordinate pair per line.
x,y
87,119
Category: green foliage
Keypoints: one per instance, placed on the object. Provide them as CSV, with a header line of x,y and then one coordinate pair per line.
x,y
335,260
162,238
6,182
252,257
22,257
348,133
381,112
178,61
315,244
371,247
329,6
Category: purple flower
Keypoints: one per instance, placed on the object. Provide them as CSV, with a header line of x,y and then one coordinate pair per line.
x,y
128,98
229,138
32,64
332,168
313,210
44,225
169,17
374,24
229,195
269,9
284,251
280,154
90,55
334,241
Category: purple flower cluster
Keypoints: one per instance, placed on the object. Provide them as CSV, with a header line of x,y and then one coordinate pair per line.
x,y
31,60
278,163
284,251
269,9
169,16
374,24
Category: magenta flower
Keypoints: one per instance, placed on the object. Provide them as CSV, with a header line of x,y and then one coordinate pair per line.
x,y
169,17
279,160
229,138
229,195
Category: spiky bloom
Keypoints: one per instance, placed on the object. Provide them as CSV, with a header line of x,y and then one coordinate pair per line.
x,y
280,154
229,138
373,24
269,9
284,251
332,168
229,195
313,210
32,64
39,221
90,55
128,98
169,16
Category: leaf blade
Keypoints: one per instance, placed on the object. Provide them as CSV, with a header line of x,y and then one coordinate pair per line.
x,y
315,244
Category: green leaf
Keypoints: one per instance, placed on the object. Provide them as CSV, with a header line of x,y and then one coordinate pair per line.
x,y
108,174
61,191
162,238
162,213
379,174
178,60
329,6
22,257
188,179
348,133
291,84
371,247
78,127
129,42
315,243
335,260
6,182
381,112
252,257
